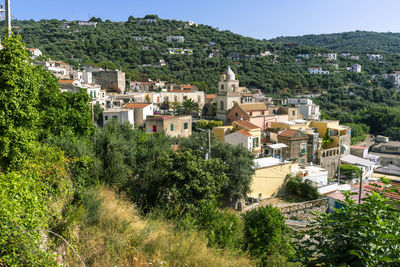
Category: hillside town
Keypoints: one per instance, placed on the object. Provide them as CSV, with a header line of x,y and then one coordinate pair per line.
x,y
287,136
163,142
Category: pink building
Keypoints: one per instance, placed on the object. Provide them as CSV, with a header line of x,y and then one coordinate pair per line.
x,y
256,113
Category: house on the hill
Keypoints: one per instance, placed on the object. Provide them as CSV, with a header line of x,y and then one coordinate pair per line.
x,y
141,111
170,125
296,142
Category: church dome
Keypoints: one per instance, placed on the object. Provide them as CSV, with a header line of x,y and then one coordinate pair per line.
x,y
230,75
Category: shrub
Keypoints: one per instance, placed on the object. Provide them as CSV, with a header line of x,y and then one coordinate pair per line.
x,y
222,228
305,189
350,171
266,233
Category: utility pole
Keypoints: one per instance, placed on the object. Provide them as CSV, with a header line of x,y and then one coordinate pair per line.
x,y
209,143
8,16
360,191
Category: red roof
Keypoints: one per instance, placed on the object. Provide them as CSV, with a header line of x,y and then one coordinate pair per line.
x,y
210,96
187,86
136,105
65,81
243,132
290,133
246,124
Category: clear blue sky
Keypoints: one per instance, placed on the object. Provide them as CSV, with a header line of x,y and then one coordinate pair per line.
x,y
254,18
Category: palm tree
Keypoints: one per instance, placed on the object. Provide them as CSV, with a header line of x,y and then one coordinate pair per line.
x,y
189,106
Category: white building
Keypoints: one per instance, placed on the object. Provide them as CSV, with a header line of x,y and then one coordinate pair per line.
x,y
310,111
83,76
356,68
366,166
317,175
265,54
141,111
190,23
331,56
308,56
119,114
375,57
180,51
178,96
35,52
241,138
174,38
87,23
297,101
317,71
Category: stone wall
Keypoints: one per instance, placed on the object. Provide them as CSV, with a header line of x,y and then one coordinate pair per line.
x,y
110,79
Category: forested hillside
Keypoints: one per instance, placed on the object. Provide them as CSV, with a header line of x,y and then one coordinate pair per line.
x,y
358,41
130,44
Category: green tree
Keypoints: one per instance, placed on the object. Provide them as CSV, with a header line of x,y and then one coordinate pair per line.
x,y
357,235
183,181
189,107
19,117
266,233
305,189
98,114
393,132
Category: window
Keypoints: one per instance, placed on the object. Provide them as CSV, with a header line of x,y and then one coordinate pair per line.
x,y
171,127
222,87
185,126
106,118
221,105
236,114
251,113
262,112
315,138
303,148
175,98
255,142
115,117
293,113
302,161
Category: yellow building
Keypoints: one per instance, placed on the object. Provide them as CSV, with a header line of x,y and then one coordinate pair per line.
x,y
270,178
339,134
221,131
293,125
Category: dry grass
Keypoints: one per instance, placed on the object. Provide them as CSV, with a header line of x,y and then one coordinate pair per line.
x,y
120,237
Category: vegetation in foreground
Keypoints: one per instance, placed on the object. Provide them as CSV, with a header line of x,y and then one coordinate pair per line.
x,y
123,197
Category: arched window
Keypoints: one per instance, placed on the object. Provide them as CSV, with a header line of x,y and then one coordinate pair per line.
x,y
221,105
233,88
222,87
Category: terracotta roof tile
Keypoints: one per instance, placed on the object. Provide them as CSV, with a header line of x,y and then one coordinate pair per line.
x,y
210,96
136,105
65,81
253,106
290,133
243,132
246,124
